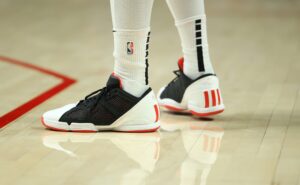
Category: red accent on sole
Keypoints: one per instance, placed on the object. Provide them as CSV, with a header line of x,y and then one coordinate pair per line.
x,y
63,130
84,131
52,128
171,108
206,114
219,97
206,98
26,107
93,131
213,95
142,131
156,112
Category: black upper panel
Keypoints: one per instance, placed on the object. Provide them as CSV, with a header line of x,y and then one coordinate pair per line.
x,y
104,106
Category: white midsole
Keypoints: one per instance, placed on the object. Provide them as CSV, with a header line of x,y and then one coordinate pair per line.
x,y
92,127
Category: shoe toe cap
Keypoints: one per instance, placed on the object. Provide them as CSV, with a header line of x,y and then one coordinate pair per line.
x,y
55,114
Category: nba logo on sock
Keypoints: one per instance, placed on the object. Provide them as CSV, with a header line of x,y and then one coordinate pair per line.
x,y
130,48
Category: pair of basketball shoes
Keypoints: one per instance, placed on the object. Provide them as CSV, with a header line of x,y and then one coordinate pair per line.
x,y
111,108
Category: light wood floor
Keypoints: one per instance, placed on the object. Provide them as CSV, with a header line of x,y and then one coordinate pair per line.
x,y
255,47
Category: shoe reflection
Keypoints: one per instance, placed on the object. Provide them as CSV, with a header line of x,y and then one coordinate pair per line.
x,y
201,142
141,148
188,152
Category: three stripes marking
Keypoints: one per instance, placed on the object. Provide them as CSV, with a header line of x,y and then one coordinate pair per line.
x,y
212,97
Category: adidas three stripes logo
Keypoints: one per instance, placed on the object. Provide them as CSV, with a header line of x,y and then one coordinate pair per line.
x,y
212,98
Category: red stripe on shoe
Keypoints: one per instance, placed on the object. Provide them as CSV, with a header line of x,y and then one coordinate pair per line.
x,y
213,96
206,98
156,112
219,97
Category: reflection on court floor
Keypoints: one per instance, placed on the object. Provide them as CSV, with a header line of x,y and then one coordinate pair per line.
x,y
200,144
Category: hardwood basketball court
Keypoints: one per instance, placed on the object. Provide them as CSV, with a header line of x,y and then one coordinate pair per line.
x,y
56,52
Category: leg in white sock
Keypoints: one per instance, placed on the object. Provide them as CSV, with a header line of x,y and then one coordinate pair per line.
x,y
131,25
190,21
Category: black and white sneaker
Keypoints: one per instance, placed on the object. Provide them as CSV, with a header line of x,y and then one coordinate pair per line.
x,y
201,97
110,108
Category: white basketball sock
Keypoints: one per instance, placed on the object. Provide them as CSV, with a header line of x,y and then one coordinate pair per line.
x,y
190,21
131,25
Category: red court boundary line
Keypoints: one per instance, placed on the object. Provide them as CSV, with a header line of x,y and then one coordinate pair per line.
x,y
35,101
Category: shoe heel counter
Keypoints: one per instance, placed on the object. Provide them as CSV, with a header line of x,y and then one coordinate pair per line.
x,y
205,93
146,111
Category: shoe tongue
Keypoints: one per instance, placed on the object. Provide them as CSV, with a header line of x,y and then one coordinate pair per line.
x,y
114,81
180,63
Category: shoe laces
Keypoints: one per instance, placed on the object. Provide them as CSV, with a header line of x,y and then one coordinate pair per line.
x,y
178,74
95,97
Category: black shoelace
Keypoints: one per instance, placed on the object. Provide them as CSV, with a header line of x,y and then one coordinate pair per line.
x,y
177,73
94,97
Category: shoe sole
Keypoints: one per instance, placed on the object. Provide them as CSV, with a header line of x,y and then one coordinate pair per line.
x,y
198,114
207,114
128,129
